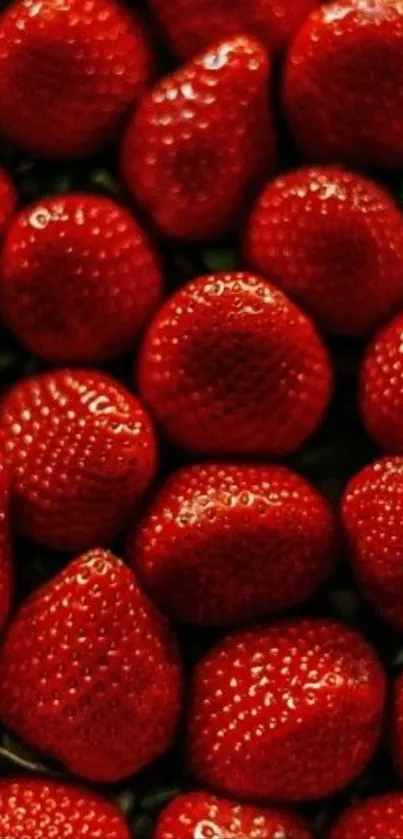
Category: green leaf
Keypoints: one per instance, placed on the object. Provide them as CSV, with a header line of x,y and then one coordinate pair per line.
x,y
220,259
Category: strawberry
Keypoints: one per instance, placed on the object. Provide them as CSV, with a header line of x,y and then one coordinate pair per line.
x,y
201,815
201,141
6,574
79,278
90,673
381,387
343,87
376,818
68,73
397,725
333,241
223,543
8,199
41,808
289,712
188,24
81,450
372,516
230,366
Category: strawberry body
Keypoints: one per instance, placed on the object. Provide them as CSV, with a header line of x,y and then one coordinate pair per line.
x,y
8,199
397,725
343,83
201,815
290,712
333,241
81,451
45,808
79,278
201,140
223,543
230,366
68,73
90,673
381,387
373,818
6,571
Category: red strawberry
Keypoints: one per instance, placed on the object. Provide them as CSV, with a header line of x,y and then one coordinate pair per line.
x,y
78,279
82,451
201,141
344,83
333,241
8,199
231,366
376,818
224,543
68,73
189,24
89,672
290,712
201,815
397,725
6,574
41,808
381,389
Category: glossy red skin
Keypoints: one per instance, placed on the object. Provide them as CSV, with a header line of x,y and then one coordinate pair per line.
x,y
397,726
79,279
333,241
8,199
202,815
188,24
49,809
343,84
381,387
68,73
81,450
224,543
289,712
202,140
373,818
90,672
230,366
6,568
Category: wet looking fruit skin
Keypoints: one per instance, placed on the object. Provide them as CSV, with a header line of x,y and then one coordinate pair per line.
x,y
381,816
6,562
8,199
380,390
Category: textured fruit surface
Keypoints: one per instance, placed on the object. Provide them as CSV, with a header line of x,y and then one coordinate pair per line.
x,y
381,387
8,199
201,815
81,450
47,809
89,671
68,73
290,712
188,24
332,241
79,278
223,543
397,726
202,140
344,82
6,571
230,366
376,818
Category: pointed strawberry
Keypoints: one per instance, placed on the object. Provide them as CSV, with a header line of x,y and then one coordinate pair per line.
x,y
89,672
202,140
376,817
6,571
381,387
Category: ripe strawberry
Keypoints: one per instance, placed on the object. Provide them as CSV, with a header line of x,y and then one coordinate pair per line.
x,y
289,712
201,141
6,574
381,388
82,451
333,241
223,543
377,817
8,199
68,73
201,815
344,82
79,278
41,808
397,725
90,673
188,24
231,366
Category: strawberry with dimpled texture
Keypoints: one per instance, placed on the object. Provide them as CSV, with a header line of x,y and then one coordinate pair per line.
x,y
6,568
343,83
229,366
381,387
89,671
225,543
376,817
289,712
202,140
202,815
68,73
82,452
8,199
44,808
333,241
79,278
